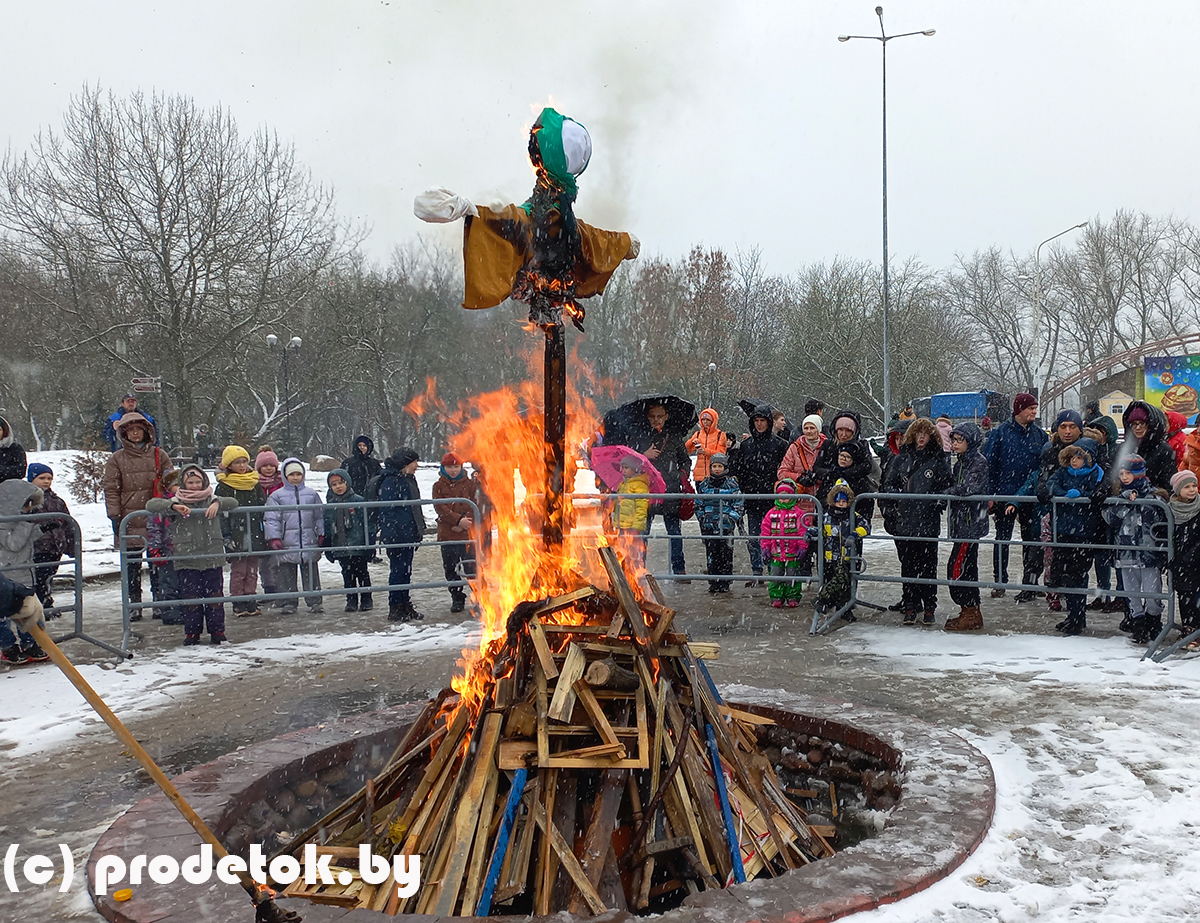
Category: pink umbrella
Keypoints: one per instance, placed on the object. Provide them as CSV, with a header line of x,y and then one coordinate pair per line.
x,y
606,462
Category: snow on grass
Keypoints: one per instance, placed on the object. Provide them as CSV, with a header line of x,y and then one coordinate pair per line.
x,y
42,711
1096,774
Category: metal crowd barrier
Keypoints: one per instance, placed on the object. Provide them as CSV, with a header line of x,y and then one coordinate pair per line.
x,y
131,553
78,632
818,513
859,573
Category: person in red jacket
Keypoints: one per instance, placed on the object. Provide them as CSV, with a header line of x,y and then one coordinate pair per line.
x,y
1176,437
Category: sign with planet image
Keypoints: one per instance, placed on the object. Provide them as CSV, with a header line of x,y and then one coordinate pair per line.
x,y
1173,383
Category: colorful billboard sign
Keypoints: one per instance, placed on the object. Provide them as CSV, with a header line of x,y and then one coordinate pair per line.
x,y
1173,383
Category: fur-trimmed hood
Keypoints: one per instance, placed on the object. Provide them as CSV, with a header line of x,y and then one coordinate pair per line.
x,y
134,417
922,425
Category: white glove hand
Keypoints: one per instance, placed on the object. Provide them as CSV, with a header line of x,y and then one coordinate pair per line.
x,y
29,614
441,206
635,247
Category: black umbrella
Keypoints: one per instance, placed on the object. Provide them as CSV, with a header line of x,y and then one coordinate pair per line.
x,y
630,417
750,405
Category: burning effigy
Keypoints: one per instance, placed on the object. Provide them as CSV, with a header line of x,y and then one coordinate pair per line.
x,y
583,760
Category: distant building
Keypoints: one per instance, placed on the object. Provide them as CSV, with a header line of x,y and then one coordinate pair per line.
x,y
1114,403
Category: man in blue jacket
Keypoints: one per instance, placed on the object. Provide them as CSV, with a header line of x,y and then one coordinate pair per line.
x,y
129,404
1013,453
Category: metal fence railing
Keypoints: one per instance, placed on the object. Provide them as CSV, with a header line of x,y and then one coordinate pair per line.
x,y
73,578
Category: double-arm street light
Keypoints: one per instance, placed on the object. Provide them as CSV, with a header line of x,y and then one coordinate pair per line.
x,y
293,343
883,38
1043,373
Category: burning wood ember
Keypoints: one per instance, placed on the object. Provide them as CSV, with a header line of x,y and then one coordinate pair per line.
x,y
595,767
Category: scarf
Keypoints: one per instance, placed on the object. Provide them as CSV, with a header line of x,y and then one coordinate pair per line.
x,y
274,482
718,482
461,474
245,481
194,497
1184,511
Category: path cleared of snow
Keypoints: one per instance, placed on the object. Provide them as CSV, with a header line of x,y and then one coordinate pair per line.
x,y
43,711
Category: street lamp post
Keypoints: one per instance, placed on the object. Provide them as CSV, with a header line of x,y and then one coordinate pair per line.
x,y
883,38
293,343
1043,372
712,384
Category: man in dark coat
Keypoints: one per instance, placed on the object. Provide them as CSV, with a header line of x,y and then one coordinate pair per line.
x,y
1146,435
361,464
665,449
920,467
401,525
755,463
129,404
1013,453
12,454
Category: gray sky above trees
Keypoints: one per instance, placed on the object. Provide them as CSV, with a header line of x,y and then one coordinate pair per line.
x,y
723,124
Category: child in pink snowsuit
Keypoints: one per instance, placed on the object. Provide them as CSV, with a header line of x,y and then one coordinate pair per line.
x,y
784,545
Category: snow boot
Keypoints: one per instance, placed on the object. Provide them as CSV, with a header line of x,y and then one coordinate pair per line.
x,y
896,607
218,637
1145,630
910,617
351,604
458,604
190,640
929,616
14,655
969,618
1127,623
364,603
997,592
1072,627
776,603
793,603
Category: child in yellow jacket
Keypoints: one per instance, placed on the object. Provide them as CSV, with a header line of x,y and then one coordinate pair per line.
x,y
630,514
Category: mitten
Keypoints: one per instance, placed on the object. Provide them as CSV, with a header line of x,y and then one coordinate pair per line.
x,y
275,544
1073,493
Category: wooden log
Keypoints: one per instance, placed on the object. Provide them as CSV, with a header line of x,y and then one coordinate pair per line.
x,y
466,818
563,702
608,674
598,839
521,721
616,625
563,850
542,648
590,705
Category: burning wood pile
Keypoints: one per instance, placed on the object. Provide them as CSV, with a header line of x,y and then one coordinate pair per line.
x,y
587,763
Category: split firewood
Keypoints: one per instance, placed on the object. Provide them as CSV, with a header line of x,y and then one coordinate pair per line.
x,y
608,674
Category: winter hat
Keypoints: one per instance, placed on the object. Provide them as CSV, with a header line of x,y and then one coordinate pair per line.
x,y
815,419
231,454
632,462
1179,478
1135,465
719,458
169,479
1023,401
187,469
1136,414
265,457
37,469
1068,416
338,473
850,424
126,397
839,490
292,464
404,456
785,486
451,459
986,422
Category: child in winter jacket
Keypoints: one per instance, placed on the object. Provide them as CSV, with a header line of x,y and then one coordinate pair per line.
x,y
270,479
199,550
160,551
630,515
970,475
718,517
346,538
296,536
784,545
18,496
1141,547
57,538
1077,478
1185,563
245,538
455,524
843,539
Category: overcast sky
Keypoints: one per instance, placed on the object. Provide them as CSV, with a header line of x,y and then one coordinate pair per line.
x,y
715,123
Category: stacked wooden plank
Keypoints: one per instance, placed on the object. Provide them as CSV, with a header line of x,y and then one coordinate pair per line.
x,y
601,770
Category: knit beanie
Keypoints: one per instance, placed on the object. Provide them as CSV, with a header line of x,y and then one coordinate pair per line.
x,y
1023,401
338,473
1135,465
170,479
37,469
292,464
986,422
1136,414
451,459
265,457
404,456
1179,478
1068,416
231,454
814,419
633,463
785,486
849,422
719,458
188,469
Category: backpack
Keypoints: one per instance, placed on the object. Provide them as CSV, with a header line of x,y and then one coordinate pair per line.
x,y
371,492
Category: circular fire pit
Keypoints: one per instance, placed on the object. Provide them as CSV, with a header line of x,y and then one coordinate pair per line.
x,y
945,805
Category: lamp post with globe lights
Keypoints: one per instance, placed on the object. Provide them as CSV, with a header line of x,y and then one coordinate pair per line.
x,y
293,343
